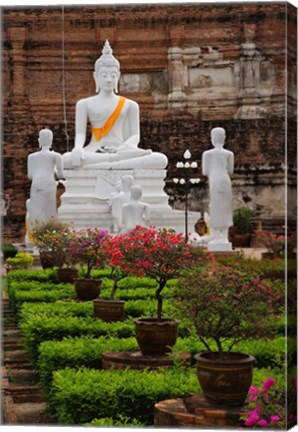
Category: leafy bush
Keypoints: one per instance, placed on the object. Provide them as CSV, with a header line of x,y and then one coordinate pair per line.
x,y
79,309
76,353
22,260
118,421
8,250
37,275
242,218
77,397
37,329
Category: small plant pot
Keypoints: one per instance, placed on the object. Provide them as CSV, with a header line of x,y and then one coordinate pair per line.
x,y
109,310
241,240
225,381
156,337
87,289
67,275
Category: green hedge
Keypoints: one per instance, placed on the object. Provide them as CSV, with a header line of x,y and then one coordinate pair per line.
x,y
86,351
37,329
77,397
76,353
39,275
116,422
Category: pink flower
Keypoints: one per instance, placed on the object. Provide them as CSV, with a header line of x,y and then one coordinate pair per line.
x,y
253,417
253,393
263,422
274,418
267,384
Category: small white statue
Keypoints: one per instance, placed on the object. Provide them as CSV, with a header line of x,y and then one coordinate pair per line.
x,y
4,204
218,166
135,212
44,167
118,199
115,125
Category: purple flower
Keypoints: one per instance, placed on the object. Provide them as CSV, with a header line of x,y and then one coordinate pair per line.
x,y
253,393
253,417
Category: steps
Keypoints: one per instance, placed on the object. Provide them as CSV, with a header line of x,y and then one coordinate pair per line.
x,y
22,400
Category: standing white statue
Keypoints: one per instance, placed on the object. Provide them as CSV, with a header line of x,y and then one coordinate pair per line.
x,y
218,166
44,167
115,125
119,199
135,212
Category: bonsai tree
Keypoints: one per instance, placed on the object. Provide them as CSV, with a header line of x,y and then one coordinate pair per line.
x,y
226,305
110,249
161,255
86,248
242,218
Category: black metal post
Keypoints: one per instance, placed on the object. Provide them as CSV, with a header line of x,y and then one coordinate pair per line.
x,y
186,205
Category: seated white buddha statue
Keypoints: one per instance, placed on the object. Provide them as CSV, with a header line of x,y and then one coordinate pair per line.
x,y
115,125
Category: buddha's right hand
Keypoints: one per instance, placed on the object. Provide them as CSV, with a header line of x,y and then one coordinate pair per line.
x,y
77,155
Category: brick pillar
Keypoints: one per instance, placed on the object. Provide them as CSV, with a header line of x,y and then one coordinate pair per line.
x,y
176,95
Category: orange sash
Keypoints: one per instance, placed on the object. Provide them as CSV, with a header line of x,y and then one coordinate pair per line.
x,y
101,132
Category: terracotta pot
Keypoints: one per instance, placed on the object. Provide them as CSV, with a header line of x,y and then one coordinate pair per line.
x,y
241,240
225,381
268,255
67,275
156,337
87,289
108,310
46,261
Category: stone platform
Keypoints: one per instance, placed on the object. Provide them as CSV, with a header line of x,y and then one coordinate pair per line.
x,y
86,200
194,411
135,360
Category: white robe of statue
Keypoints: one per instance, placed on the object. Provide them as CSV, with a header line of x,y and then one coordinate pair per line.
x,y
135,212
44,168
218,166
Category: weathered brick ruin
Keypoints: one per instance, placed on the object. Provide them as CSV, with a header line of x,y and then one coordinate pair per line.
x,y
189,66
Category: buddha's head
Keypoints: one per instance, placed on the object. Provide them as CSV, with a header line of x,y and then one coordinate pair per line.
x,y
136,192
218,136
45,138
106,69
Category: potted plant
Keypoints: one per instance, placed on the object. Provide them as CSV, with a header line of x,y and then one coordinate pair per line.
x,y
242,226
224,306
43,234
21,260
86,247
161,255
109,309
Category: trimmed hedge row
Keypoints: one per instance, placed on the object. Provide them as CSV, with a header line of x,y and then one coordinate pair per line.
x,y
77,397
38,329
85,351
77,353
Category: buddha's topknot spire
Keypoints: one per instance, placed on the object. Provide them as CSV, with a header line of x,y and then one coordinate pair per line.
x,y
106,58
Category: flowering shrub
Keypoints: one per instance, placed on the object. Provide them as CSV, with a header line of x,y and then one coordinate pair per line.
x,y
162,255
267,406
223,303
53,239
276,244
86,247
110,249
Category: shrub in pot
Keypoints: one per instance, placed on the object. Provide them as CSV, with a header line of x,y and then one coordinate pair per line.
x,y
109,309
242,226
161,255
51,240
8,250
86,248
226,305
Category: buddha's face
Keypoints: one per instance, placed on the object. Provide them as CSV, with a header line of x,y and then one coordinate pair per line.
x,y
106,78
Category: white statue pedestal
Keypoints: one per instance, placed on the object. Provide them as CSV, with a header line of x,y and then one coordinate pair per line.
x,y
219,247
86,200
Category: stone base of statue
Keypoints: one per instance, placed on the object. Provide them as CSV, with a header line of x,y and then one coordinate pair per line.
x,y
219,247
86,200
